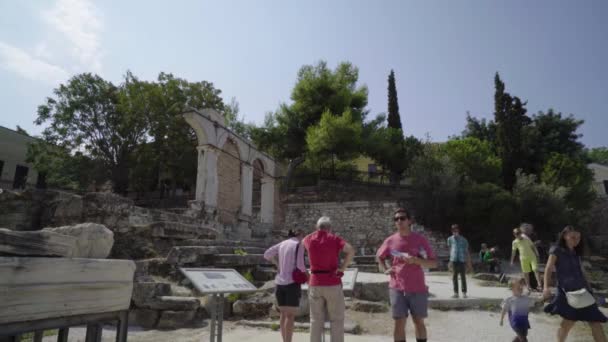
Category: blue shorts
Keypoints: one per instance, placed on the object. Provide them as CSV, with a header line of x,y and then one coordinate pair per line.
x,y
403,303
520,324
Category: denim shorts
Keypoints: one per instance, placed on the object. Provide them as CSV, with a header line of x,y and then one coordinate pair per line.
x,y
403,303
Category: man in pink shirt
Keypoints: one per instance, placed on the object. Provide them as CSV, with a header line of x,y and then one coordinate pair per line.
x,y
325,283
410,252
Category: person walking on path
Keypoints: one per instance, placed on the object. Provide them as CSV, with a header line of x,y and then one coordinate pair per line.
x,y
460,259
409,253
287,256
325,283
574,300
518,308
528,256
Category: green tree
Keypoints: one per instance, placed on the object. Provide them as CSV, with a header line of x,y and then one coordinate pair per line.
x,y
318,89
388,147
173,141
573,175
549,133
64,170
510,117
394,119
598,155
234,121
481,129
435,185
85,114
334,137
542,205
474,160
489,212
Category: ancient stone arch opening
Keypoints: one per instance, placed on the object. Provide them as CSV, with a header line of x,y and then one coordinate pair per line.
x,y
232,174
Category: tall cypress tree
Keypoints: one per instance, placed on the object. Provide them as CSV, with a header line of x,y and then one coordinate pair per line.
x,y
394,119
510,117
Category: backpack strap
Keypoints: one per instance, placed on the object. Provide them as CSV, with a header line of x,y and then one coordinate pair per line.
x,y
295,262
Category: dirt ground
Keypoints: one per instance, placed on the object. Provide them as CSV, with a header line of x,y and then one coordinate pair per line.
x,y
443,326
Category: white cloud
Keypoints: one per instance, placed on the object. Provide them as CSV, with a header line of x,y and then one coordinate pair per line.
x,y
19,61
80,23
42,50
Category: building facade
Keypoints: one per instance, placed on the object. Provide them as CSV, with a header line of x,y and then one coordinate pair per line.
x,y
600,178
15,172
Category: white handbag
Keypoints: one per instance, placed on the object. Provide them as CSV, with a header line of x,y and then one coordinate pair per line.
x,y
580,299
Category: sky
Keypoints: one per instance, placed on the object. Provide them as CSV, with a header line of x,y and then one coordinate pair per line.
x,y
552,53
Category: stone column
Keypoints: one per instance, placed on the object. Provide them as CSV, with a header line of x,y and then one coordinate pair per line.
x,y
246,188
206,177
267,211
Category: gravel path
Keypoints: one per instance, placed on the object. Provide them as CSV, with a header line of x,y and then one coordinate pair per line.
x,y
443,326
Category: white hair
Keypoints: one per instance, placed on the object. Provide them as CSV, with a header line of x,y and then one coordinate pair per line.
x,y
324,222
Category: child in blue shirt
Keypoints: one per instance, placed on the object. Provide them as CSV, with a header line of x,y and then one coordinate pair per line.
x,y
518,307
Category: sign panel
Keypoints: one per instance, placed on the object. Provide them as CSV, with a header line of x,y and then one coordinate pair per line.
x,y
348,280
217,280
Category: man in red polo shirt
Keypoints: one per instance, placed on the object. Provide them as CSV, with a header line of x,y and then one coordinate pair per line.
x,y
325,283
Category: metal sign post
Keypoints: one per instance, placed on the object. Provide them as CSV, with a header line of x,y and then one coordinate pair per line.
x,y
216,282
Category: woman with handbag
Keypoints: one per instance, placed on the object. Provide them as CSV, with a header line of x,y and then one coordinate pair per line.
x,y
574,301
288,256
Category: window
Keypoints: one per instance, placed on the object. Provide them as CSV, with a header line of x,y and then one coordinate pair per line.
x,y
1,168
20,180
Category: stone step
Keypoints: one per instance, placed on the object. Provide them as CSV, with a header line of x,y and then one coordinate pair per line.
x,y
223,243
367,268
365,259
232,260
173,303
144,292
184,231
183,255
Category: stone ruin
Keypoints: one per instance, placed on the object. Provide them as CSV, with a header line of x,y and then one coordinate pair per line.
x,y
235,216
158,241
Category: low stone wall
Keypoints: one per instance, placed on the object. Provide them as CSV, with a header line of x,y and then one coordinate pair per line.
x,y
363,224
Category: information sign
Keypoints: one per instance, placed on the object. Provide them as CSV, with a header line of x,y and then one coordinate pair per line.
x,y
217,280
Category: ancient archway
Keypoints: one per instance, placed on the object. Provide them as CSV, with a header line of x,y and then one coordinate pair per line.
x,y
224,154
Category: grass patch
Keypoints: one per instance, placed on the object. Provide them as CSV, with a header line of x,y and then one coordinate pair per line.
x,y
488,283
29,337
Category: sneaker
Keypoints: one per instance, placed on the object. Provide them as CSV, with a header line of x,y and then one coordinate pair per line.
x,y
464,295
455,295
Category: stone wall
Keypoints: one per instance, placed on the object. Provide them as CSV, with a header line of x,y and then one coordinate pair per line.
x,y
363,224
597,228
229,179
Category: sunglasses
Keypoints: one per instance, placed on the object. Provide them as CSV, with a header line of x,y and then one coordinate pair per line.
x,y
401,218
